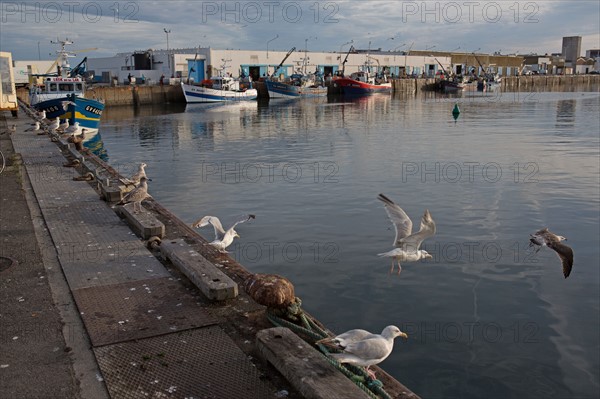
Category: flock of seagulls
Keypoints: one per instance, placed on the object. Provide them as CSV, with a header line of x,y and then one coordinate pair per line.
x,y
358,347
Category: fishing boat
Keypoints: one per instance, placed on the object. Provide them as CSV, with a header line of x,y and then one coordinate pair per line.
x,y
220,88
490,80
363,82
452,85
62,94
298,85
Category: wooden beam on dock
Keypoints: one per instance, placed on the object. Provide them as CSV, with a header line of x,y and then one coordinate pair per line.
x,y
143,223
304,367
213,283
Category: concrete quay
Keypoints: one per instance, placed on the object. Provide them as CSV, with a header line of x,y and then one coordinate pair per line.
x,y
91,310
144,95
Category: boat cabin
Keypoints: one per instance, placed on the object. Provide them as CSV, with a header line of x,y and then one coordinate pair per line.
x,y
56,87
62,85
225,83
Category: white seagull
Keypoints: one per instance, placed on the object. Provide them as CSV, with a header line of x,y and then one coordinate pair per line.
x,y
63,126
362,348
40,116
222,238
74,128
54,124
545,238
408,243
137,195
135,179
65,104
35,128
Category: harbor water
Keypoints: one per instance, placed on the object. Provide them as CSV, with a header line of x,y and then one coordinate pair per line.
x,y
486,316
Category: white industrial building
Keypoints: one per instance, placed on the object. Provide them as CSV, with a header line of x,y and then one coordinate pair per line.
x,y
201,63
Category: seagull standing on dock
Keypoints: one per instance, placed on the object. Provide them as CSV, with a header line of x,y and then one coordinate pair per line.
x,y
52,126
78,140
222,238
36,128
40,116
408,243
135,179
63,126
362,348
137,195
545,238
74,128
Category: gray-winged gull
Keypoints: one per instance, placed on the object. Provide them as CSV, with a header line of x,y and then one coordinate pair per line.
x,y
137,195
72,129
135,179
222,238
40,116
36,128
362,348
545,238
408,243
54,124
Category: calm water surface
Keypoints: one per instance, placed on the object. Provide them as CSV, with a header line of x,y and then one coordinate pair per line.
x,y
485,317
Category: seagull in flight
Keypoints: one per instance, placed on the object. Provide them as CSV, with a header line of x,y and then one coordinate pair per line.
x,y
362,348
222,238
545,238
407,243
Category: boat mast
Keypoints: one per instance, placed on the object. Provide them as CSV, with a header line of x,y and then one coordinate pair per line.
x,y
63,57
346,59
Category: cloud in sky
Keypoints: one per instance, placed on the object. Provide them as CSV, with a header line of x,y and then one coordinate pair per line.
x,y
122,26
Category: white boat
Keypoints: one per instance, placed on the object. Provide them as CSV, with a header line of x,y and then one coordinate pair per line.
x,y
221,88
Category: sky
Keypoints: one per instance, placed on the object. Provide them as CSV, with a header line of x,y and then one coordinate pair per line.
x,y
26,27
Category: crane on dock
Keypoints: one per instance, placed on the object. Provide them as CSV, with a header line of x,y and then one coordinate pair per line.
x,y
282,61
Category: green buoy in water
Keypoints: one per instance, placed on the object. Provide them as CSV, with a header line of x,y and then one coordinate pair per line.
x,y
455,112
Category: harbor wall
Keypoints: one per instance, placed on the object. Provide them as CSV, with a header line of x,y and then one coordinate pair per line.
x,y
513,83
143,95
128,95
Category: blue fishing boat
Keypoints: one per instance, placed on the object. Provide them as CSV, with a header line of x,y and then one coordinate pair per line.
x,y
298,85
63,94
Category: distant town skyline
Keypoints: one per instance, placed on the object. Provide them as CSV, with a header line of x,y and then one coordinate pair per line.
x,y
507,27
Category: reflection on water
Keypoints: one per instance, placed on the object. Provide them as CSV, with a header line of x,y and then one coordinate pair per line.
x,y
485,316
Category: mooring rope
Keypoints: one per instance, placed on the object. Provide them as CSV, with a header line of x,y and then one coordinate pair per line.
x,y
373,388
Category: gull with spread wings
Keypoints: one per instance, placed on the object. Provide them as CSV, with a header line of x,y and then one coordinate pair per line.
x,y
545,238
222,238
406,241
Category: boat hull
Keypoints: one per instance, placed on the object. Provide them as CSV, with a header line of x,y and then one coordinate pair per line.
x,y
284,90
198,94
78,109
354,87
452,87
